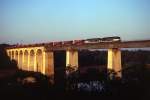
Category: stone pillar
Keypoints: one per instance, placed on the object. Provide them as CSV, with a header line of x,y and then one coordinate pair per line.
x,y
72,59
35,62
7,53
28,60
48,64
114,60
18,60
20,53
22,67
14,55
44,61
11,56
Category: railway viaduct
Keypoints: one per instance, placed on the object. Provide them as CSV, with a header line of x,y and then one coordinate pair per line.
x,y
40,57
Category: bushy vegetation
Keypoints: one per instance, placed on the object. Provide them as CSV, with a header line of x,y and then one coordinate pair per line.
x,y
5,62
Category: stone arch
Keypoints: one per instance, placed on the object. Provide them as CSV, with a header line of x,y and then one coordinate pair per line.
x,y
21,59
32,60
13,55
39,59
25,66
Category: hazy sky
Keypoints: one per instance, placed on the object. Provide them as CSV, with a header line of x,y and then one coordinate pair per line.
x,y
30,21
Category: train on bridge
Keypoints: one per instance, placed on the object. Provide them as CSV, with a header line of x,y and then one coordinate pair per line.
x,y
105,39
74,42
88,41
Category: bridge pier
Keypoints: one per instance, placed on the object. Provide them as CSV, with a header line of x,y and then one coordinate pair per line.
x,y
35,62
18,58
48,64
114,61
25,60
28,61
72,59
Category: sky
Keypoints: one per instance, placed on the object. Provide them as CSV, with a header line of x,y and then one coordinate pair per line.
x,y
36,21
